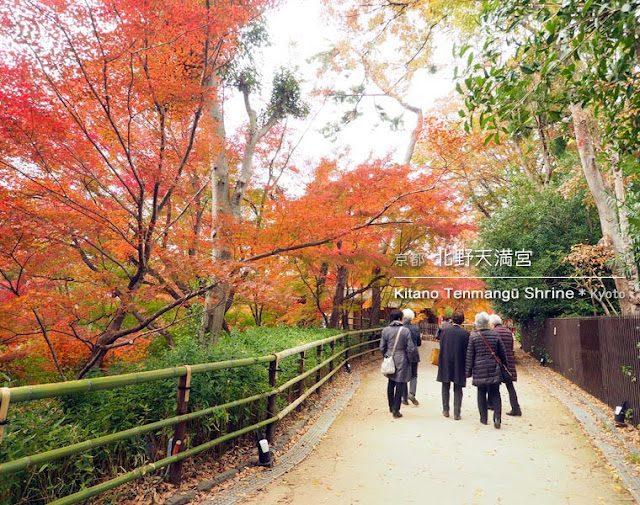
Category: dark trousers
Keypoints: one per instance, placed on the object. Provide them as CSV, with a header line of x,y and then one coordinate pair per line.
x,y
457,397
489,395
513,397
394,394
413,383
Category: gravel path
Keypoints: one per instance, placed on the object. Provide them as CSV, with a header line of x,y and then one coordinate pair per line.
x,y
369,458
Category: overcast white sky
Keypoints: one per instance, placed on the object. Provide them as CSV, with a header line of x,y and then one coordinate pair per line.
x,y
298,31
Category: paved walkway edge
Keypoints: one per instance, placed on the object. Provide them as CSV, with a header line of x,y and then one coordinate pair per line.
x,y
612,453
301,449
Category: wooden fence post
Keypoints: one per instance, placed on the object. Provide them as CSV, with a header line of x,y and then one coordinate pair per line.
x,y
300,385
371,337
184,386
271,401
332,364
346,344
318,373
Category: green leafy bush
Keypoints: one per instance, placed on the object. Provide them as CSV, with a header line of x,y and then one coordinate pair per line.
x,y
546,224
45,425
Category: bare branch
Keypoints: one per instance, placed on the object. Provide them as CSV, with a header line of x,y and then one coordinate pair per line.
x,y
326,240
46,338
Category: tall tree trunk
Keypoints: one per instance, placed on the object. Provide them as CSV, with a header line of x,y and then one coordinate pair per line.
x,y
228,203
376,300
626,253
320,283
613,217
413,138
345,320
215,301
535,180
338,297
546,157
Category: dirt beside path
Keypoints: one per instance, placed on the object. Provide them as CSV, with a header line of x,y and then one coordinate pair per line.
x,y
369,458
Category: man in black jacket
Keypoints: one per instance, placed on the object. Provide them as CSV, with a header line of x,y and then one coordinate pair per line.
x,y
451,368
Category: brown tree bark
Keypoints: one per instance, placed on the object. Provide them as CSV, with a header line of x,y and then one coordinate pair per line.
x,y
376,299
613,217
228,203
338,297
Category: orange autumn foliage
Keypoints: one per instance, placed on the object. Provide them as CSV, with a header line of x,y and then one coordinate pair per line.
x,y
106,143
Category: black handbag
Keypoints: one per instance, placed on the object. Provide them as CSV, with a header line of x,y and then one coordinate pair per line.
x,y
506,374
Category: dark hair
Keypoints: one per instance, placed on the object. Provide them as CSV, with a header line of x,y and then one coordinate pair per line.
x,y
395,315
457,317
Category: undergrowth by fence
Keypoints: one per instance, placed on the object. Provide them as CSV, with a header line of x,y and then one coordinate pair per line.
x,y
104,431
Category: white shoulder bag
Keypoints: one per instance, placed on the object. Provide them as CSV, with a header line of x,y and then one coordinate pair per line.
x,y
388,366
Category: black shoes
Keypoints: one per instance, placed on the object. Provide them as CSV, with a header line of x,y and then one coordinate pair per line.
x,y
445,413
514,413
496,425
397,414
405,401
457,417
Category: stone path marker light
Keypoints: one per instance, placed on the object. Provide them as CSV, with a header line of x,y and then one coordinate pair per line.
x,y
620,414
265,455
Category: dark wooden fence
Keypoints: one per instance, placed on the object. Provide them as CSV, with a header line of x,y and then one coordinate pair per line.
x,y
599,354
428,329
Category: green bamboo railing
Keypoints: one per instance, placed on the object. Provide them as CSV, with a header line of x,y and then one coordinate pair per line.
x,y
41,391
31,393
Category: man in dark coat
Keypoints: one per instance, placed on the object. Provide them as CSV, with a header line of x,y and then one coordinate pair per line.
x,y
451,364
404,348
446,322
507,339
407,318
481,364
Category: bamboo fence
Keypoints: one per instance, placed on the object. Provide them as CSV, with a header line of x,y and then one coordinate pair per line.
x,y
331,365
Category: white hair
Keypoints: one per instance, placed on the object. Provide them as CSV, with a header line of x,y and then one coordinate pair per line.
x,y
494,320
482,321
408,315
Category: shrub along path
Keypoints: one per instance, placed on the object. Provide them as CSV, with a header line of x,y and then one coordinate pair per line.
x,y
369,458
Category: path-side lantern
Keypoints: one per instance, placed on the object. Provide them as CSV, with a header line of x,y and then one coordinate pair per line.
x,y
265,456
620,413
348,367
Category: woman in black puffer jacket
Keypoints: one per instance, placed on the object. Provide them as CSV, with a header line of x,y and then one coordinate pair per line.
x,y
485,370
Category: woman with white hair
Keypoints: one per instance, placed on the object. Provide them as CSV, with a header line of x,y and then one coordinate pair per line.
x,y
396,341
410,394
495,321
485,352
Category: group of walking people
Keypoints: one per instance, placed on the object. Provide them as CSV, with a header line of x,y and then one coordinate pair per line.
x,y
485,355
